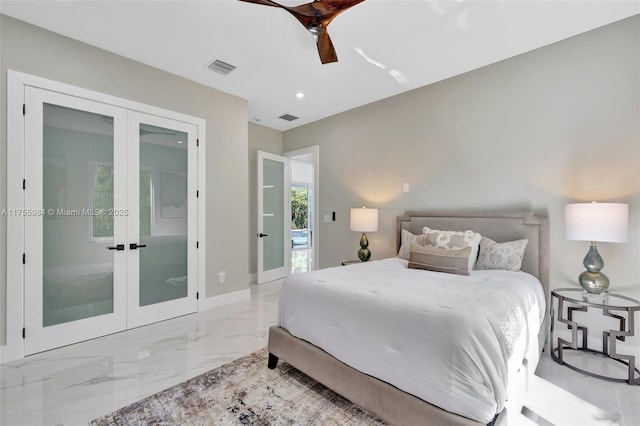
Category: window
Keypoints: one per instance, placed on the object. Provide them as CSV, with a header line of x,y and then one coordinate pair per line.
x,y
102,202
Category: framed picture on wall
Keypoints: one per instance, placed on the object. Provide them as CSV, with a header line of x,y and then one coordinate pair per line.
x,y
173,194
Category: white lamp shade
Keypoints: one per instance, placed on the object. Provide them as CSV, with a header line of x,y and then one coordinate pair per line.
x,y
364,220
608,222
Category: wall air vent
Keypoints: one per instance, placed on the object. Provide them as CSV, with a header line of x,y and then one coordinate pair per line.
x,y
288,117
221,67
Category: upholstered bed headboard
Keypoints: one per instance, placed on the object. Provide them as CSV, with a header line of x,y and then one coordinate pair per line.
x,y
500,226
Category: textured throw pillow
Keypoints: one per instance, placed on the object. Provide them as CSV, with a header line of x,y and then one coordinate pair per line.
x,y
406,239
503,256
451,261
453,240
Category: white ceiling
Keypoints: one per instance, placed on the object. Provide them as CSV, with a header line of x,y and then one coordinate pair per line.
x,y
384,47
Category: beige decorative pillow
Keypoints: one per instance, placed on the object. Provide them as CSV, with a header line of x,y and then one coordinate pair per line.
x,y
406,239
503,256
451,240
451,261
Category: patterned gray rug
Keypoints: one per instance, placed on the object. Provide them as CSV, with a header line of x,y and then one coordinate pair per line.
x,y
244,392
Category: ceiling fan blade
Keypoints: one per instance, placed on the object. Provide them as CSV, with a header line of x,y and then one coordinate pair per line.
x,y
325,47
323,9
263,2
315,17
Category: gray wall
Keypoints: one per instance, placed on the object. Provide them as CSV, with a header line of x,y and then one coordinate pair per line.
x,y
33,50
552,126
260,139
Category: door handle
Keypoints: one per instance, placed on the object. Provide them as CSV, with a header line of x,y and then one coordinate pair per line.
x,y
134,246
262,235
119,247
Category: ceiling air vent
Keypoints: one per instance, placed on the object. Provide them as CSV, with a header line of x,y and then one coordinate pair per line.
x,y
288,117
221,67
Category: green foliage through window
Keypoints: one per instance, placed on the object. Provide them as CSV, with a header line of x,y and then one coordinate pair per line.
x,y
299,207
102,223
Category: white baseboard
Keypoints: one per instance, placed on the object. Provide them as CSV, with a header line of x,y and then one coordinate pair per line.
x,y
224,299
10,353
253,278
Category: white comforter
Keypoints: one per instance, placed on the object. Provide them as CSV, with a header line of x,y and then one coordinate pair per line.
x,y
450,340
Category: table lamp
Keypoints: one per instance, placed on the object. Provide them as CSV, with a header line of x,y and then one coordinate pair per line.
x,y
364,220
605,222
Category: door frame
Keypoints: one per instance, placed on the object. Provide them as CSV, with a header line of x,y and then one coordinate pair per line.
x,y
16,82
315,151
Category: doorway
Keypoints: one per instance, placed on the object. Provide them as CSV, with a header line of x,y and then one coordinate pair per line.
x,y
287,213
303,165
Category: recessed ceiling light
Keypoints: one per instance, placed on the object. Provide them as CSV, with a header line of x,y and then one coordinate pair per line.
x,y
299,95
179,141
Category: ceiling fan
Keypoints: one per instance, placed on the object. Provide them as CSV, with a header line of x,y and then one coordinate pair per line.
x,y
316,17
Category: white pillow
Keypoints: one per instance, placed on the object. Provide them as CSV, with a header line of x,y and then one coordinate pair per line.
x,y
453,240
406,239
502,256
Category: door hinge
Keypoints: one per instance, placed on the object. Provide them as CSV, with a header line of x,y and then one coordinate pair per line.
x,y
197,142
24,109
197,295
197,244
24,258
24,333
24,184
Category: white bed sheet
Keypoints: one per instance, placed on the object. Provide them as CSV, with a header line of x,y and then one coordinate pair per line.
x,y
450,340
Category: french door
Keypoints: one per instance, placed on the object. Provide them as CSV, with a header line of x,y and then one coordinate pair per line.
x,y
274,217
162,198
109,204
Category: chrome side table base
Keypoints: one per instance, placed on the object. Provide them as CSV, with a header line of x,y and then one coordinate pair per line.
x,y
575,303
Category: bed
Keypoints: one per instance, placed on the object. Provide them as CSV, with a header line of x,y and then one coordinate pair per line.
x,y
393,341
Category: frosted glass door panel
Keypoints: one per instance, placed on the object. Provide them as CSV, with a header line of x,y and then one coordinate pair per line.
x,y
77,172
273,213
163,214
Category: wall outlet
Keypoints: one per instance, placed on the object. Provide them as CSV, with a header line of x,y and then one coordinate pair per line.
x,y
328,218
222,276
405,187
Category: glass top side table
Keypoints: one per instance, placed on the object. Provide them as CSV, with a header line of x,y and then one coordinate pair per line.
x,y
612,305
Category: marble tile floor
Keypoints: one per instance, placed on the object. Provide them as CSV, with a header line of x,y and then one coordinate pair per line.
x,y
77,383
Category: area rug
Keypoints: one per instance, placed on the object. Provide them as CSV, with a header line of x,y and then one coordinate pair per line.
x,y
244,392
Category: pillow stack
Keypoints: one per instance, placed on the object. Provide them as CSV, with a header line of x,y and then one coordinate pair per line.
x,y
456,252
441,251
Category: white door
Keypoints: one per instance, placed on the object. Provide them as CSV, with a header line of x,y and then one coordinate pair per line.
x,y
75,183
110,219
162,200
274,217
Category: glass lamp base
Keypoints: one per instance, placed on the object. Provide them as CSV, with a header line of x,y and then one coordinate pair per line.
x,y
593,282
364,254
